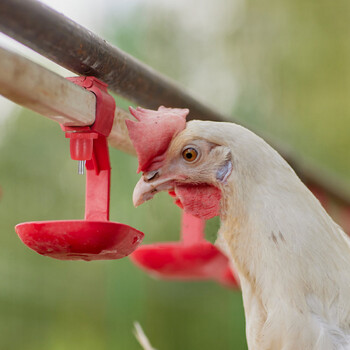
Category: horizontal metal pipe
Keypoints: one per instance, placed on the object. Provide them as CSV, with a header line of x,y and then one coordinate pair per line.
x,y
32,86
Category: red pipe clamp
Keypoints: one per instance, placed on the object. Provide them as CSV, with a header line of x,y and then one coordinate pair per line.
x,y
95,237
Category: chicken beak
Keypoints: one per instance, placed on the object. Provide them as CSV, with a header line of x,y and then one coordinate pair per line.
x,y
145,190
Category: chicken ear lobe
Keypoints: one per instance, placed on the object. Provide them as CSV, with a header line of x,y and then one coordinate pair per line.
x,y
224,170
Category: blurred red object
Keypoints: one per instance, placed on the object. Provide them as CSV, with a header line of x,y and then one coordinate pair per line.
x,y
193,258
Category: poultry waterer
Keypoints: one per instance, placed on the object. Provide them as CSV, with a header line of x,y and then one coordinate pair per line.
x,y
95,237
193,258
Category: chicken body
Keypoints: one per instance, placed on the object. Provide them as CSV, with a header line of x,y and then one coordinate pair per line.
x,y
292,259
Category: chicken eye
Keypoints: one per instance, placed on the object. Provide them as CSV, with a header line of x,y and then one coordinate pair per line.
x,y
189,154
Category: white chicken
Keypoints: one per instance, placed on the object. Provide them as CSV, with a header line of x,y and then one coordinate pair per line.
x,y
292,259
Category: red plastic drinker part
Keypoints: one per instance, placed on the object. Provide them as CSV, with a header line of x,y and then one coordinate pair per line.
x,y
193,258
95,237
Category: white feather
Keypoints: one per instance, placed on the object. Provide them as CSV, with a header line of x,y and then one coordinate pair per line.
x,y
142,338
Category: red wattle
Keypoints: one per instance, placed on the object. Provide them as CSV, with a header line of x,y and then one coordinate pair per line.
x,y
200,200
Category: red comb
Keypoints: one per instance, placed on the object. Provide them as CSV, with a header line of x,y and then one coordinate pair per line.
x,y
153,132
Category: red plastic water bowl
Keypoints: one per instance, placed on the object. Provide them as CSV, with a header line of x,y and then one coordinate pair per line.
x,y
80,239
200,261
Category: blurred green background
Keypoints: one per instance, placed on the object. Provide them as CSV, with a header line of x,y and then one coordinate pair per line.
x,y
282,67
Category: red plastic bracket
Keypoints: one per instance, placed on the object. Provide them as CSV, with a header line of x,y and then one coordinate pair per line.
x,y
105,104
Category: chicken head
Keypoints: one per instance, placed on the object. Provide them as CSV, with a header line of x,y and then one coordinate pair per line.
x,y
178,160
